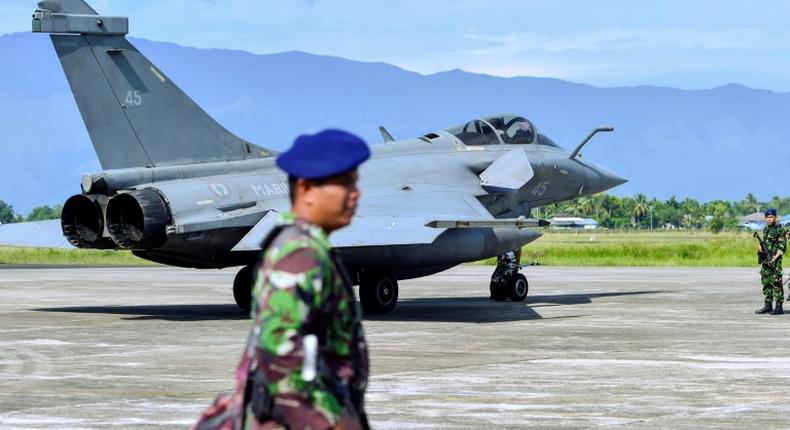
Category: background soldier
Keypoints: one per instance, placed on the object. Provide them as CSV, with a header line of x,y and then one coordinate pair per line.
x,y
304,294
774,245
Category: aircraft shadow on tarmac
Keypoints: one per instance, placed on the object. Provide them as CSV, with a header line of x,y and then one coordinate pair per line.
x,y
484,310
432,309
162,312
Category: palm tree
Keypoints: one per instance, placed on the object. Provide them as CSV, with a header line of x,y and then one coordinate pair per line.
x,y
641,208
609,204
587,206
775,202
750,204
691,213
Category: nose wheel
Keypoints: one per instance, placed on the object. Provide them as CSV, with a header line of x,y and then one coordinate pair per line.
x,y
506,281
378,293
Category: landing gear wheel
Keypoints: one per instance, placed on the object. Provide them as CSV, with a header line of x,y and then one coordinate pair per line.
x,y
498,291
242,288
518,288
506,282
378,293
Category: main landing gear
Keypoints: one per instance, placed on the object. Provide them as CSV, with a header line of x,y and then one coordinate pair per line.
x,y
506,281
242,287
378,292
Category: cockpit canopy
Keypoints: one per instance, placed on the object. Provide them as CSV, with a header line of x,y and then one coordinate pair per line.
x,y
500,129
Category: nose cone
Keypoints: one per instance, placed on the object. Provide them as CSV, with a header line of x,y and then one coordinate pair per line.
x,y
601,179
610,180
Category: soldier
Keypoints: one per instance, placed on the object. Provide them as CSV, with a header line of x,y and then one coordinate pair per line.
x,y
774,245
311,351
786,230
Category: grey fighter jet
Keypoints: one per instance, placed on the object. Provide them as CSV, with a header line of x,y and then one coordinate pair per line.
x,y
179,189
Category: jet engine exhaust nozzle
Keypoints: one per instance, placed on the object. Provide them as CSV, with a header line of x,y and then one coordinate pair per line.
x,y
138,219
82,222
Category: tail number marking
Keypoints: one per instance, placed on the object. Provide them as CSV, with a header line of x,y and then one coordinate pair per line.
x,y
133,98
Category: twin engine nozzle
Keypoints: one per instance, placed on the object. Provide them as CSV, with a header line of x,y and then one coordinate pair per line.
x,y
132,220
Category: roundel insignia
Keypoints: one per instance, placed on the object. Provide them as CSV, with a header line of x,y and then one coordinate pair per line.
x,y
219,189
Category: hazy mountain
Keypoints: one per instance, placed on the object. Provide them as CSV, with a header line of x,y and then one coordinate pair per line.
x,y
718,143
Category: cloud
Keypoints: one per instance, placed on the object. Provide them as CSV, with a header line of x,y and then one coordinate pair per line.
x,y
629,39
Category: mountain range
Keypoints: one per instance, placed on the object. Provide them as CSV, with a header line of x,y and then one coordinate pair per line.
x,y
707,144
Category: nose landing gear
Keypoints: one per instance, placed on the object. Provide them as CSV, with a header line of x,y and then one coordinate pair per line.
x,y
506,281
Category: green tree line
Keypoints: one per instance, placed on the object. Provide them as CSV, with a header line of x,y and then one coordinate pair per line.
x,y
641,212
40,213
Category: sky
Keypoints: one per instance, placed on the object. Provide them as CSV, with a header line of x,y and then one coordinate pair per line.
x,y
690,44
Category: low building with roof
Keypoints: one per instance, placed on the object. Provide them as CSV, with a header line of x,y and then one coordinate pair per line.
x,y
754,221
567,222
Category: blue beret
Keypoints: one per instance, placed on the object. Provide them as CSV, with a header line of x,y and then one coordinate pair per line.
x,y
770,211
324,154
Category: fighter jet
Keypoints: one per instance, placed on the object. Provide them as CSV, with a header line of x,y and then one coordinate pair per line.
x,y
179,189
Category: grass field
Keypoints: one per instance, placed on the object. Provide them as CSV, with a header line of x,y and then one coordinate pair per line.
x,y
555,248
83,257
657,248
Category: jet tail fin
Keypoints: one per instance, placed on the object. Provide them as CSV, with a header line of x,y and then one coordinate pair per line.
x,y
67,6
134,114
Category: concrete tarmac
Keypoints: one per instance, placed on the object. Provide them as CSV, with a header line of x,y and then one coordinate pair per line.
x,y
643,348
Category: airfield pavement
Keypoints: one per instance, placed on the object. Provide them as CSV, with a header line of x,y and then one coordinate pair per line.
x,y
645,348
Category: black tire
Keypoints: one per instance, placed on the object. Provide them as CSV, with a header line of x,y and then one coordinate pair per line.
x,y
518,288
242,288
378,293
498,291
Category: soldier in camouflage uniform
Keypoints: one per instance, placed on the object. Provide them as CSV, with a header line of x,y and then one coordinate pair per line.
x,y
302,290
774,244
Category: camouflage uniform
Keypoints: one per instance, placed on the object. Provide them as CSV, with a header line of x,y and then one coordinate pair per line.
x,y
774,239
304,289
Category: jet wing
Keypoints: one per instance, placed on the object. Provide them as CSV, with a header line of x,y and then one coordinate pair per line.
x,y
399,219
38,234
